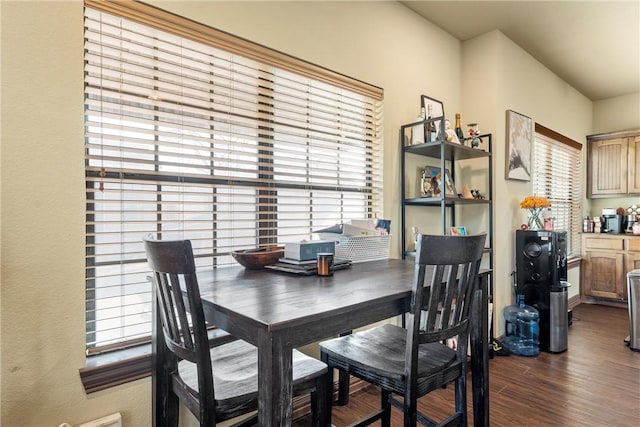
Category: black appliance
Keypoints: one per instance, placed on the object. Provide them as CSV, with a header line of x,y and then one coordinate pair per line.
x,y
613,224
541,276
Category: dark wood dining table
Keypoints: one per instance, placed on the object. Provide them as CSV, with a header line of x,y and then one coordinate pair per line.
x,y
278,312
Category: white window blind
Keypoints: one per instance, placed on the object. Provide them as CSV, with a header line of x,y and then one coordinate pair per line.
x,y
184,140
557,175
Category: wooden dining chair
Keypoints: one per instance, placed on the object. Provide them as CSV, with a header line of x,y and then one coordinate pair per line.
x,y
413,361
219,383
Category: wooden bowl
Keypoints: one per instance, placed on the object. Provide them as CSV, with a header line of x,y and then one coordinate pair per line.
x,y
256,259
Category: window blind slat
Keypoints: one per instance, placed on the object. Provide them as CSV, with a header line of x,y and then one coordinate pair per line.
x,y
557,175
172,25
184,140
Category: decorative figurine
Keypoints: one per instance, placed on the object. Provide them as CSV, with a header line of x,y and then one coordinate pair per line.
x,y
471,194
450,133
476,195
474,133
466,193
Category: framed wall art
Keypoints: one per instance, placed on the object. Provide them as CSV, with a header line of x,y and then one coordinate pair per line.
x,y
519,140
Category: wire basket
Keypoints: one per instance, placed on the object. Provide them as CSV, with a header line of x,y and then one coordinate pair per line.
x,y
363,248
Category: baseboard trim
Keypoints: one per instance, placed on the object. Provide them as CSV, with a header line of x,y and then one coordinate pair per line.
x,y
600,301
573,302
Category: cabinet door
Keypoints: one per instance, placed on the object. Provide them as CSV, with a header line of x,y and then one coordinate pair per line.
x,y
603,274
608,167
634,164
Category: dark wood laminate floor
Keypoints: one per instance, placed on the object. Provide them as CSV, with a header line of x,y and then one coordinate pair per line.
x,y
596,382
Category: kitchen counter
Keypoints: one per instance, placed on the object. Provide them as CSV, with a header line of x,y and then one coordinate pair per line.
x,y
611,235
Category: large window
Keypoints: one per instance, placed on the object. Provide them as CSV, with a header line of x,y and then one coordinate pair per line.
x,y
557,175
189,134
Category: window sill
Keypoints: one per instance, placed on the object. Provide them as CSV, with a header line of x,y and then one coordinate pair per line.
x,y
130,364
115,368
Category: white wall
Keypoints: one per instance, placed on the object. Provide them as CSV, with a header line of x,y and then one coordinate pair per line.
x,y
42,162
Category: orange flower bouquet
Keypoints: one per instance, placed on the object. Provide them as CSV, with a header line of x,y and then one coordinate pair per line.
x,y
535,204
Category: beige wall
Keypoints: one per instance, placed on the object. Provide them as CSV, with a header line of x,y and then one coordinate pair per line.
x,y
614,114
43,222
42,160
497,70
611,115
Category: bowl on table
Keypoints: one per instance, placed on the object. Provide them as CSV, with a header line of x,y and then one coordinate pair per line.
x,y
256,259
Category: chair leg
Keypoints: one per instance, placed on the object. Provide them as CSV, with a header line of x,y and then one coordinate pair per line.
x,y
461,398
316,407
385,404
343,382
410,412
343,388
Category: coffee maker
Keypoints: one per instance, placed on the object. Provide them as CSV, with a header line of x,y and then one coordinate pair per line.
x,y
612,222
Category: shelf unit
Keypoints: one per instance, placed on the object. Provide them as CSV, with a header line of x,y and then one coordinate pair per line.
x,y
448,154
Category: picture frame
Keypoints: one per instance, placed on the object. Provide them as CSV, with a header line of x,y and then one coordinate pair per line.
x,y
458,231
519,141
437,111
450,186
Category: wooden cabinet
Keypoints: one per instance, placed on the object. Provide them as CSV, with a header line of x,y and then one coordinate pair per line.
x,y
606,261
613,160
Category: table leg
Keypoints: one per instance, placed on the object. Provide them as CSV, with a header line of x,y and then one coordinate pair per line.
x,y
275,383
479,354
323,400
165,405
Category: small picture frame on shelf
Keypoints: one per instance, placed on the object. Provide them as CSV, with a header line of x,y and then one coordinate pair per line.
x,y
450,186
458,231
437,110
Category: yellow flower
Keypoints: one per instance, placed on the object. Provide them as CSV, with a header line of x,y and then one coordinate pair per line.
x,y
531,202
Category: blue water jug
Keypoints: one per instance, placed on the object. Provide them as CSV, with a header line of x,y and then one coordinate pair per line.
x,y
522,329
510,316
528,332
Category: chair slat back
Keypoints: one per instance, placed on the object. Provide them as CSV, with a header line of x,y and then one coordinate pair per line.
x,y
440,308
178,299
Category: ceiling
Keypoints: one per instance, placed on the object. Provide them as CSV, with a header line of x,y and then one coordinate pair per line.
x,y
592,45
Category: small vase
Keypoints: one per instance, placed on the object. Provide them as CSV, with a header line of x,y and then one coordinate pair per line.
x,y
535,220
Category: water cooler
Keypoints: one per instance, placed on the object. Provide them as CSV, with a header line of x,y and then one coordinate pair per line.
x,y
541,276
